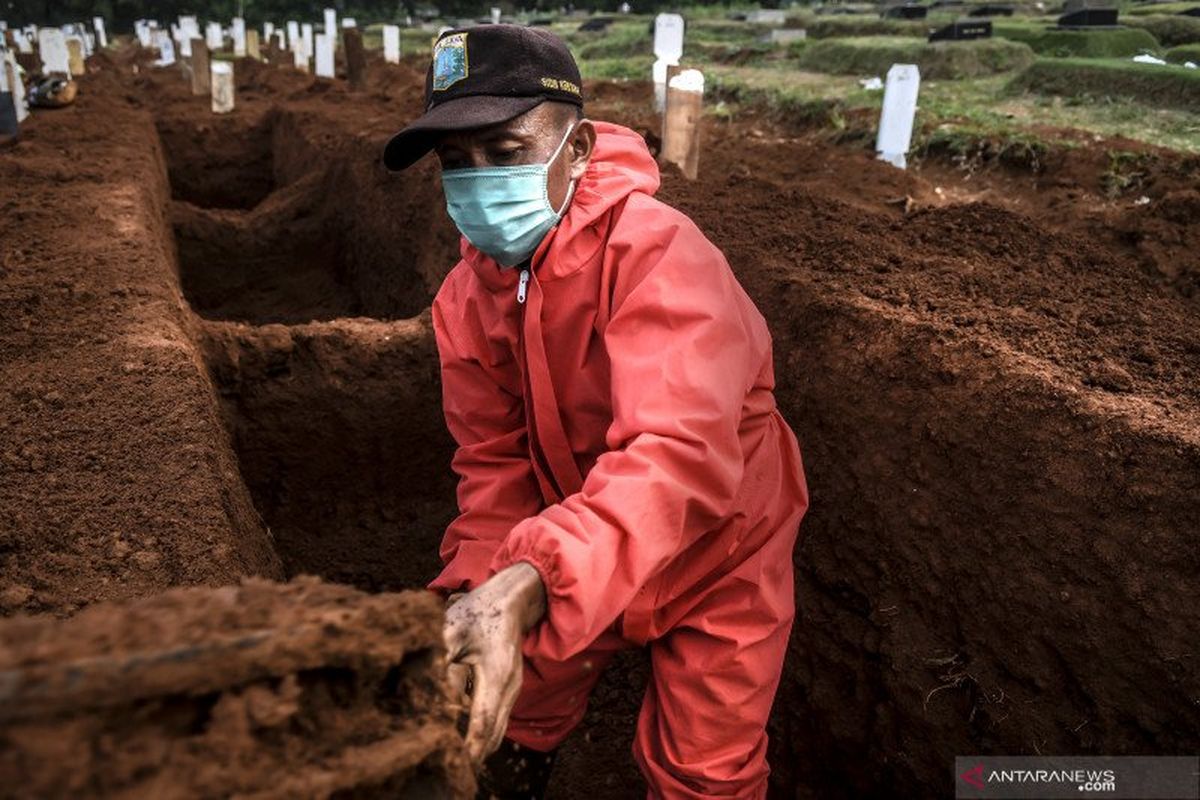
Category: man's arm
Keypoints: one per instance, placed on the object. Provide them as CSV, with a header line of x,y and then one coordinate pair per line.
x,y
496,488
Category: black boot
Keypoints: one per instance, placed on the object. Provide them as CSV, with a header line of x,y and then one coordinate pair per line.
x,y
515,773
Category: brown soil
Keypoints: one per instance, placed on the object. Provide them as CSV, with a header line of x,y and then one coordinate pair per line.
x,y
302,690
992,370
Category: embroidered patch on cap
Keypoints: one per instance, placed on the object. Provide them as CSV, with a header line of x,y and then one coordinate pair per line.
x,y
449,61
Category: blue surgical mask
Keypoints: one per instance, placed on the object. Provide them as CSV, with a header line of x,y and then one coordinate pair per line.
x,y
504,211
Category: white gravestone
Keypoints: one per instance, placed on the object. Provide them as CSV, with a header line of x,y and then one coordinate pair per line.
x,y
52,46
899,108
213,37
24,45
324,63
16,84
222,87
166,49
293,33
142,30
306,33
668,37
268,31
239,37
391,44
495,16
659,73
331,22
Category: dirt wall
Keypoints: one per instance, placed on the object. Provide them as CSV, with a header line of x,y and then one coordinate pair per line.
x,y
117,478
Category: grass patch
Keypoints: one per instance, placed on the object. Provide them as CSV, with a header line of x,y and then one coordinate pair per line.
x,y
1169,30
1149,84
830,27
1185,52
1117,43
874,55
1157,8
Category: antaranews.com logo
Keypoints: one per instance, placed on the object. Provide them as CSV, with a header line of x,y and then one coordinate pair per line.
x,y
1117,777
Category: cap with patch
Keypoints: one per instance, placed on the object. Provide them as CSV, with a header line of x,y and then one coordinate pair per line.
x,y
484,76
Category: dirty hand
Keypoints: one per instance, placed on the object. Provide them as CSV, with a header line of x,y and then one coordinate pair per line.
x,y
484,629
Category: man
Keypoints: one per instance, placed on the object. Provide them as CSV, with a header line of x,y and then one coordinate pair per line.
x,y
625,477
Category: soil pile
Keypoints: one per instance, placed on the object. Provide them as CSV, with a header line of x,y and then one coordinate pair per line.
x,y
299,690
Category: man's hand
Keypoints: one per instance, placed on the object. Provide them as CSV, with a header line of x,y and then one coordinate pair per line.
x,y
484,629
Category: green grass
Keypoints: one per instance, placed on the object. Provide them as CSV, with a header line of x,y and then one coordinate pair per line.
x,y
1149,84
873,55
1163,8
828,27
1169,30
1185,52
1117,43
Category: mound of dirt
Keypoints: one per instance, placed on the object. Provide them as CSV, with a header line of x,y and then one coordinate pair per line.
x,y
298,690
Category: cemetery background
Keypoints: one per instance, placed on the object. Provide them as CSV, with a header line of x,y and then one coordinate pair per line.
x,y
217,361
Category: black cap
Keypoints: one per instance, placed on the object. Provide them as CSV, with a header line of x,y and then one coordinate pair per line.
x,y
483,76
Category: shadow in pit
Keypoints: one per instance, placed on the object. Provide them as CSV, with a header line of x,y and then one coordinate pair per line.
x,y
273,226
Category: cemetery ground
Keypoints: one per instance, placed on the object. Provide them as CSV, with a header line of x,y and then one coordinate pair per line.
x,y
216,361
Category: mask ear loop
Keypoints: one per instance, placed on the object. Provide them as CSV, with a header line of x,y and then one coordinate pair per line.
x,y
571,185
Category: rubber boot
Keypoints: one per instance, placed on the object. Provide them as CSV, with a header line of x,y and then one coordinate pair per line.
x,y
515,773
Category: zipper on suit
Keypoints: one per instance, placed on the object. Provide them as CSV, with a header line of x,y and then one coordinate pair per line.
x,y
522,285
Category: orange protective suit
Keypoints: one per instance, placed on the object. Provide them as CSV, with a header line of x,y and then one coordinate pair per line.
x,y
618,431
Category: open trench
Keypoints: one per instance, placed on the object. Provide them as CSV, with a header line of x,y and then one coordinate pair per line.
x,y
992,562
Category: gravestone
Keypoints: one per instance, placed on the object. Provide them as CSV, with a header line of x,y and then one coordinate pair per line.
x,y
349,22
52,47
323,67
252,48
331,23
201,69
101,33
166,49
356,59
222,87
306,33
391,44
1088,14
963,30
896,119
23,41
495,16
213,37
668,38
299,56
681,125
293,33
75,56
238,30
268,31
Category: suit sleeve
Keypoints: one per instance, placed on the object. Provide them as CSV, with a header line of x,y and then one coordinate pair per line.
x,y
684,353
496,487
